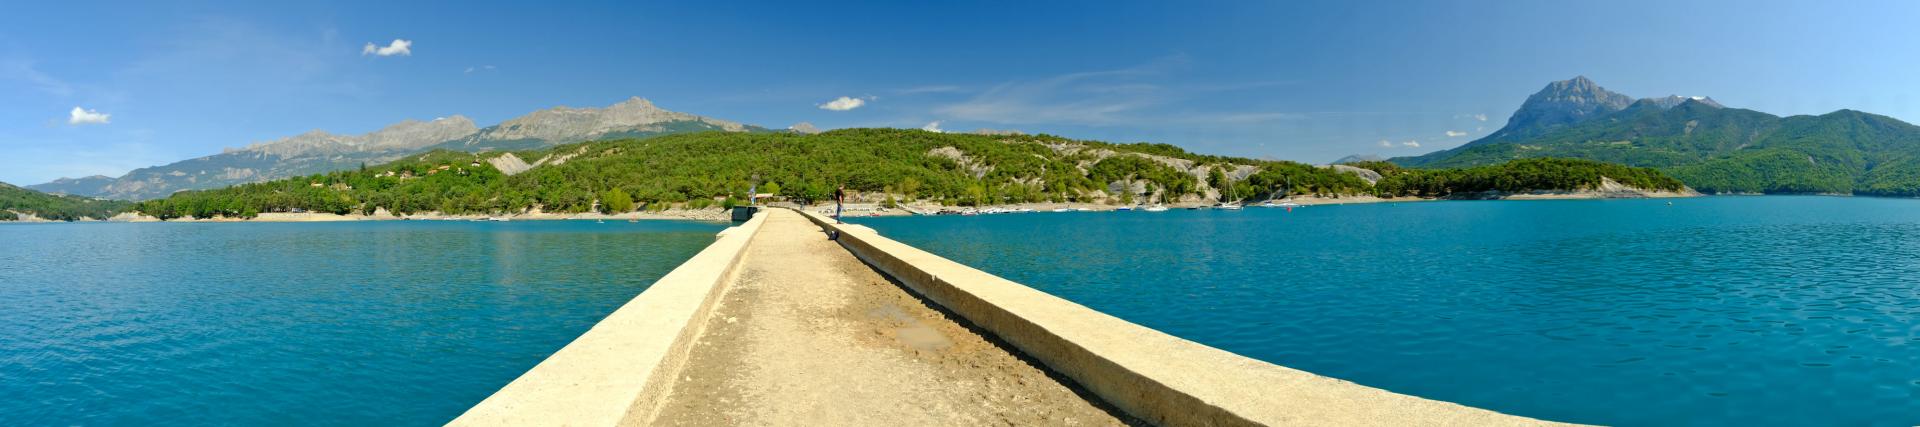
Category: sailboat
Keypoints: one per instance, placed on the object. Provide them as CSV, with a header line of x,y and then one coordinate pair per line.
x,y
1156,208
1288,203
1230,206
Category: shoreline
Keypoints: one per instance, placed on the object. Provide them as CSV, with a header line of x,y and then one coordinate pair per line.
x,y
873,209
671,214
861,209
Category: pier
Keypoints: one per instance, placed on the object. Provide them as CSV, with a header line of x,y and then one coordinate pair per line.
x,y
776,323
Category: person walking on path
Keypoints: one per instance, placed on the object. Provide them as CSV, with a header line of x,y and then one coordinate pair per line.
x,y
839,202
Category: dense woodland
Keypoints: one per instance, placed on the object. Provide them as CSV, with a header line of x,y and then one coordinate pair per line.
x,y
718,168
15,201
1518,176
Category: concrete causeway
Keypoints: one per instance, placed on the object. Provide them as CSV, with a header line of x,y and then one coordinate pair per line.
x,y
775,324
808,335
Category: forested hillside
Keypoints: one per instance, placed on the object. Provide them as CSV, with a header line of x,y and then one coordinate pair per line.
x,y
697,170
15,201
1712,148
1518,176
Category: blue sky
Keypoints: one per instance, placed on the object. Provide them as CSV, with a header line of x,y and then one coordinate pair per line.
x,y
1308,81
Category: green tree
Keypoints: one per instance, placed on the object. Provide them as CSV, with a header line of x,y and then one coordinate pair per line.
x,y
616,201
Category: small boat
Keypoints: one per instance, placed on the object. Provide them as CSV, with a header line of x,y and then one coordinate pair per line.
x,y
1228,207
1123,208
1285,203
496,219
599,221
1156,209
1063,210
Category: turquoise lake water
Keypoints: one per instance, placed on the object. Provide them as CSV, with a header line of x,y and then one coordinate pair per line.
x,y
1714,311
387,323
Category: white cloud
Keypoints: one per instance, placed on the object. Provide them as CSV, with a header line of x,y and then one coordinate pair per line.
x,y
470,70
933,127
82,116
1480,117
1386,144
1410,144
843,104
398,47
1455,134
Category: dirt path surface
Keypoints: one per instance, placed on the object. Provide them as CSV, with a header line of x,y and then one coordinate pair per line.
x,y
809,335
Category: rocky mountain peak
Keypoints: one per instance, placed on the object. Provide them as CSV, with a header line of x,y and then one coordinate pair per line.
x,y
1562,103
1670,101
804,128
406,135
320,151
307,142
635,103
566,124
1580,91
414,134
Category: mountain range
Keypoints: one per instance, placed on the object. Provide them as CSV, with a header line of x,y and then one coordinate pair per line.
x,y
1711,147
320,151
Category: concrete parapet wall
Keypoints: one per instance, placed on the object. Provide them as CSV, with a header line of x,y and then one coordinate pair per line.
x,y
1157,377
620,370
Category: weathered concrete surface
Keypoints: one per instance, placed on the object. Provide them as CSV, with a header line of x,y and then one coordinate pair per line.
x,y
626,361
1157,377
808,335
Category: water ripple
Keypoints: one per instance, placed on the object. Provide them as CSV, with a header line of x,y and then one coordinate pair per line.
x,y
1751,311
309,324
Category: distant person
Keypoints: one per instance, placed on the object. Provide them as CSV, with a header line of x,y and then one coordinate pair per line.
x,y
839,202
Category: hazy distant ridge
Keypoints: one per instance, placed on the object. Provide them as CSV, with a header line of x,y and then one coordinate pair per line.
x,y
320,151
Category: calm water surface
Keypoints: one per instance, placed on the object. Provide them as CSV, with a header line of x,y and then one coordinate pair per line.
x,y
1718,311
388,323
